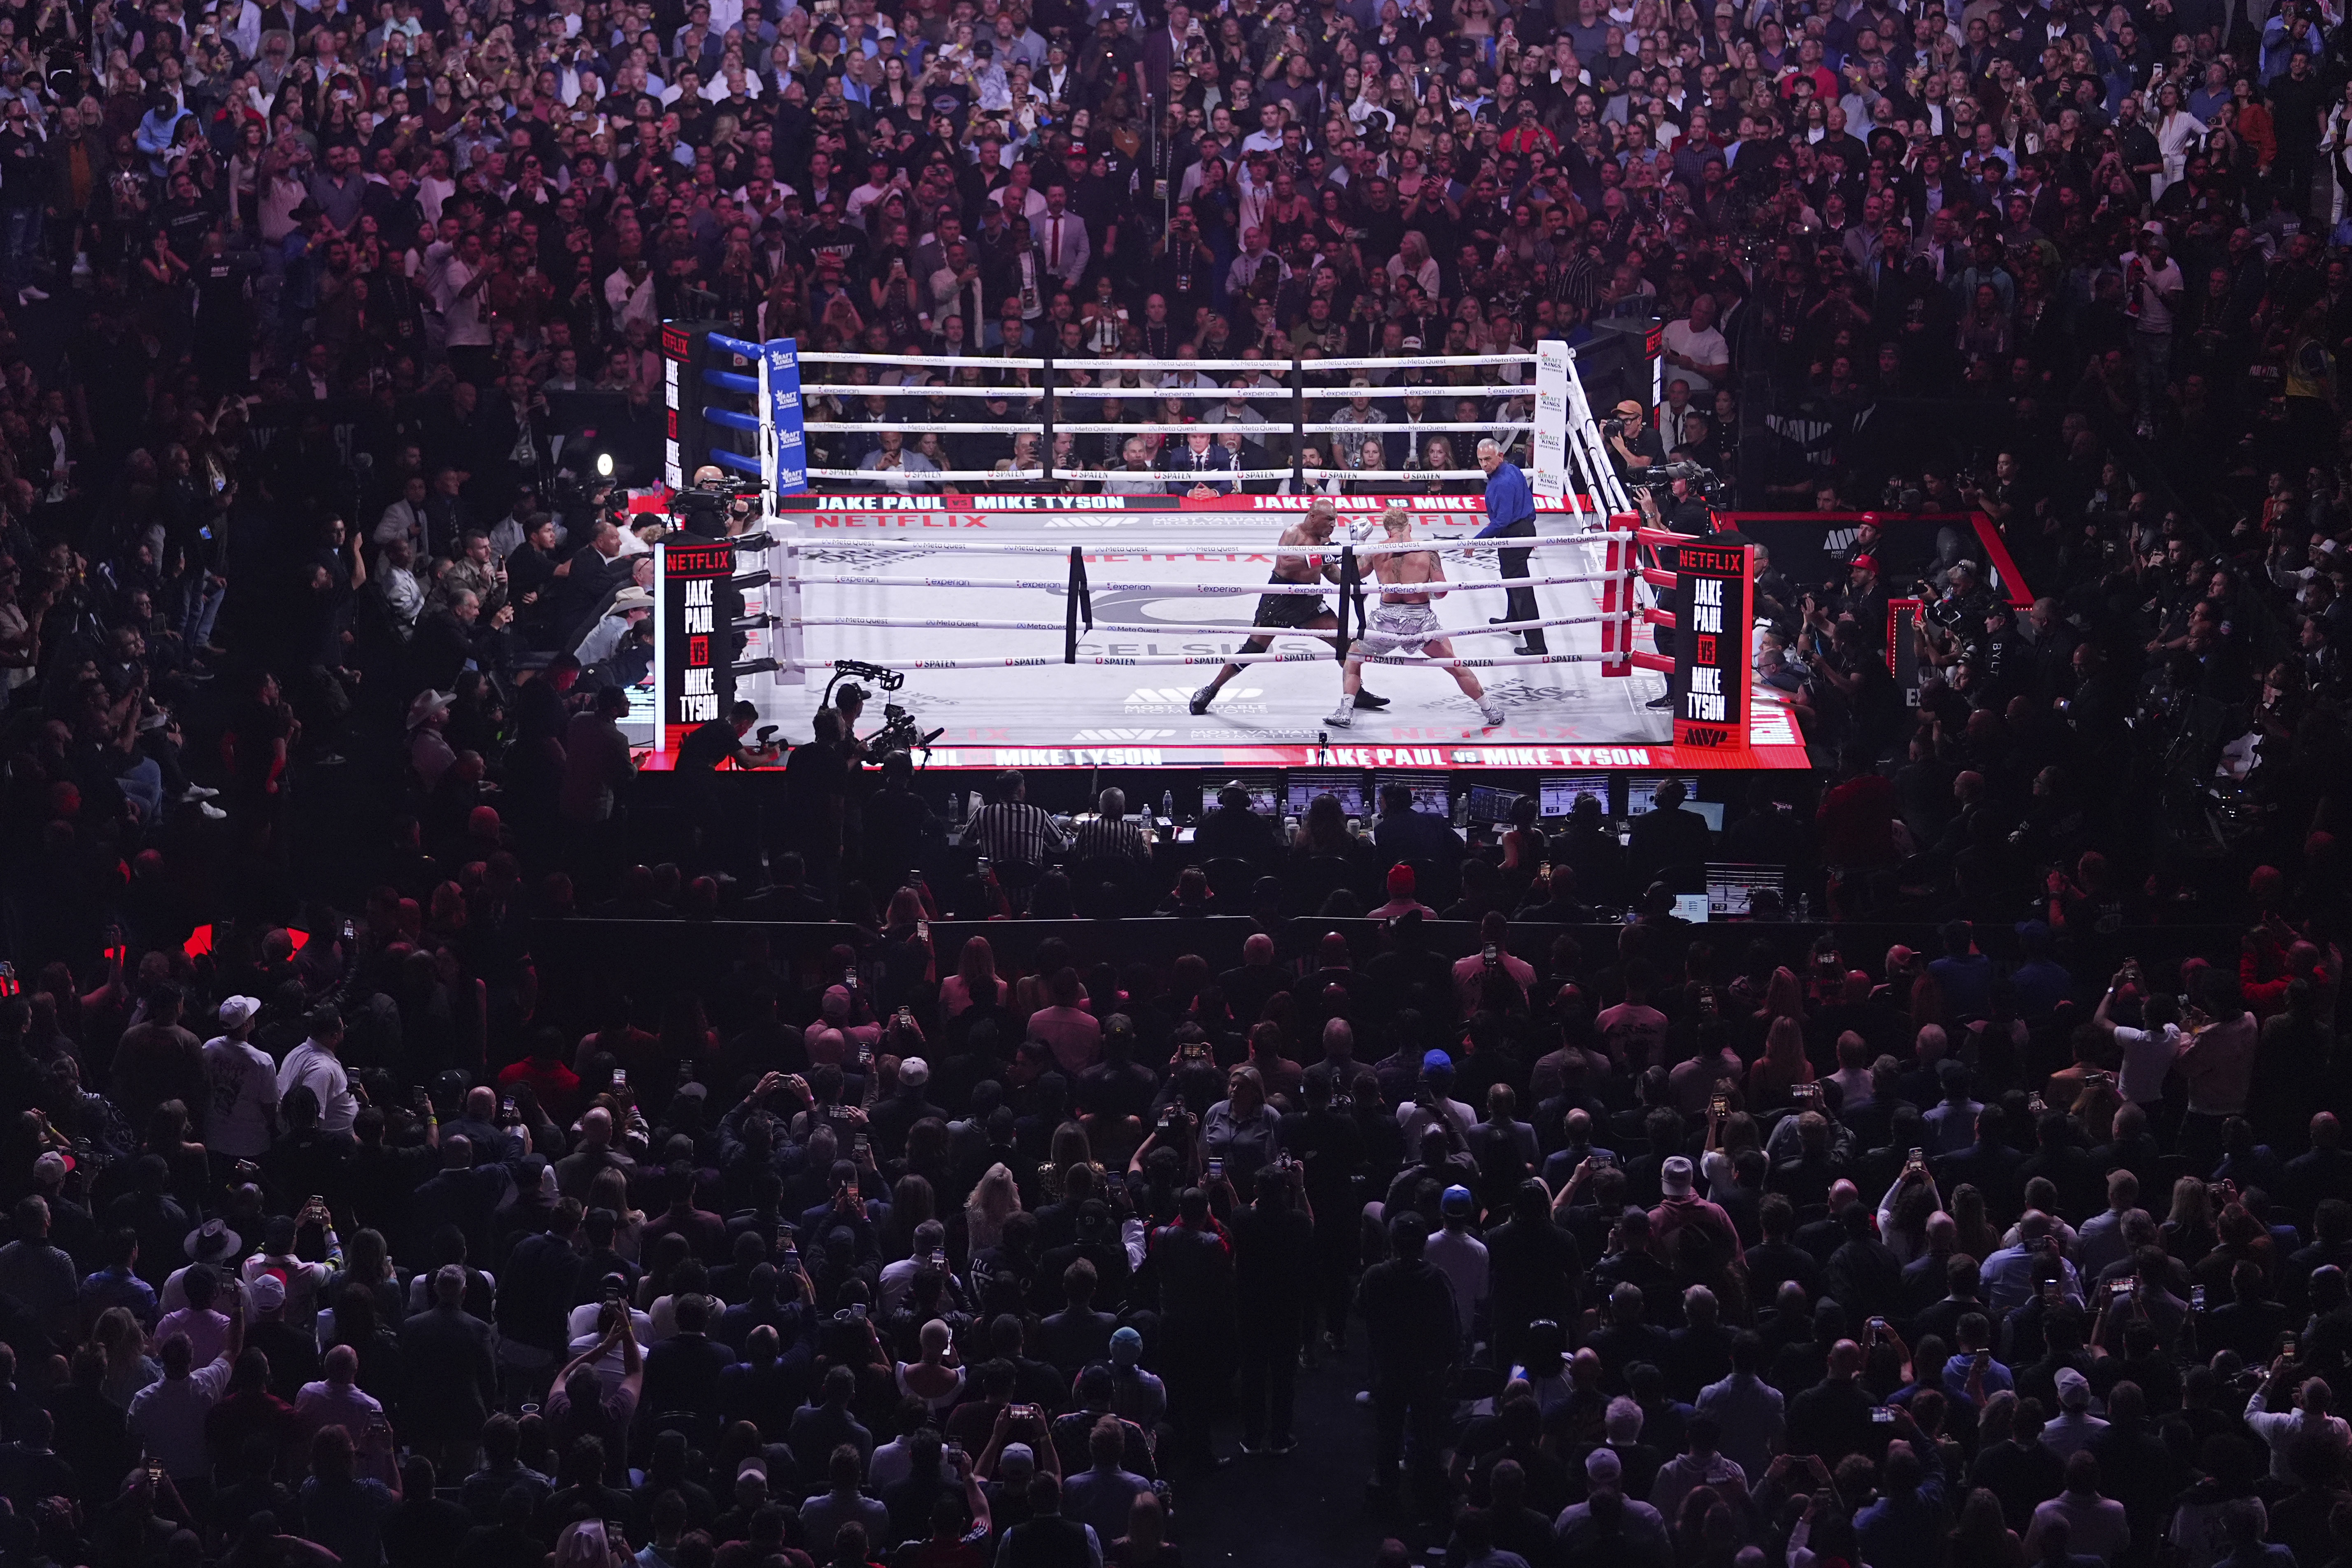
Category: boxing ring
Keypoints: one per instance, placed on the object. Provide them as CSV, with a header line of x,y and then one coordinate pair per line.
x,y
970,598
1039,622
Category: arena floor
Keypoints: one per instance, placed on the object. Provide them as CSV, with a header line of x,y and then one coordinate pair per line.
x,y
1130,554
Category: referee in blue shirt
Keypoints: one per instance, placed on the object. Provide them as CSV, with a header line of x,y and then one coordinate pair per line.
x,y
1511,514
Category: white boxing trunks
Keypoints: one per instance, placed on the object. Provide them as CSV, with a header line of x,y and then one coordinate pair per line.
x,y
1400,629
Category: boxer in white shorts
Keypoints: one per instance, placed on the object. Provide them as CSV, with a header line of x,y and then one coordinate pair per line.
x,y
1402,620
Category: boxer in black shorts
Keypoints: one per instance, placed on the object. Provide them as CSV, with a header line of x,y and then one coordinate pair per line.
x,y
1293,612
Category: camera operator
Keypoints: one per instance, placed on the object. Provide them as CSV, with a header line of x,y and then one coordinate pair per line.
x,y
721,741
1632,444
1999,500
1862,598
714,508
1950,621
849,703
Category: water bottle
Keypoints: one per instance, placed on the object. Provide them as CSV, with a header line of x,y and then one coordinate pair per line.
x,y
1461,811
1167,805
955,808
1804,907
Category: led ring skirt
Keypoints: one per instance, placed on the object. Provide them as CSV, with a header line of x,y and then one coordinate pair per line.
x,y
1045,630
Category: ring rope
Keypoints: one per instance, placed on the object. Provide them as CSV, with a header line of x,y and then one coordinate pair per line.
x,y
1030,394
1112,427
1181,628
1103,551
1311,366
952,362
1219,590
1300,657
1416,362
1162,480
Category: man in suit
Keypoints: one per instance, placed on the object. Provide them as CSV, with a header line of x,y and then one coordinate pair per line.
x,y
452,1381
682,1372
1201,469
406,518
588,573
1164,48
515,432
1990,1163
1061,235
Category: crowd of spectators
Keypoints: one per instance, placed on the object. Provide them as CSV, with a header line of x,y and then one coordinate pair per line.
x,y
351,1241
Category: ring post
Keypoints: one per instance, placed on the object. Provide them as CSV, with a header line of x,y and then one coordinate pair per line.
x,y
1351,591
1046,407
1079,602
1298,434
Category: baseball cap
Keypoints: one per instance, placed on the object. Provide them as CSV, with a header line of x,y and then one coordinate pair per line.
x,y
268,1291
1455,1201
1675,1176
235,1010
1435,1060
1867,562
2074,1389
914,1072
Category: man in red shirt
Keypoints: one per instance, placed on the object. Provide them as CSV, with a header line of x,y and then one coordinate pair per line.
x,y
557,1086
1857,820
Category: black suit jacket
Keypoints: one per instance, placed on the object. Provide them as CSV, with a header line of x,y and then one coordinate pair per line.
x,y
1661,839
1186,467
452,1383
1993,1167
503,425
682,1375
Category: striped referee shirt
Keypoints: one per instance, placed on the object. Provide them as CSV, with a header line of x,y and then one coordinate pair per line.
x,y
1111,839
1016,831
